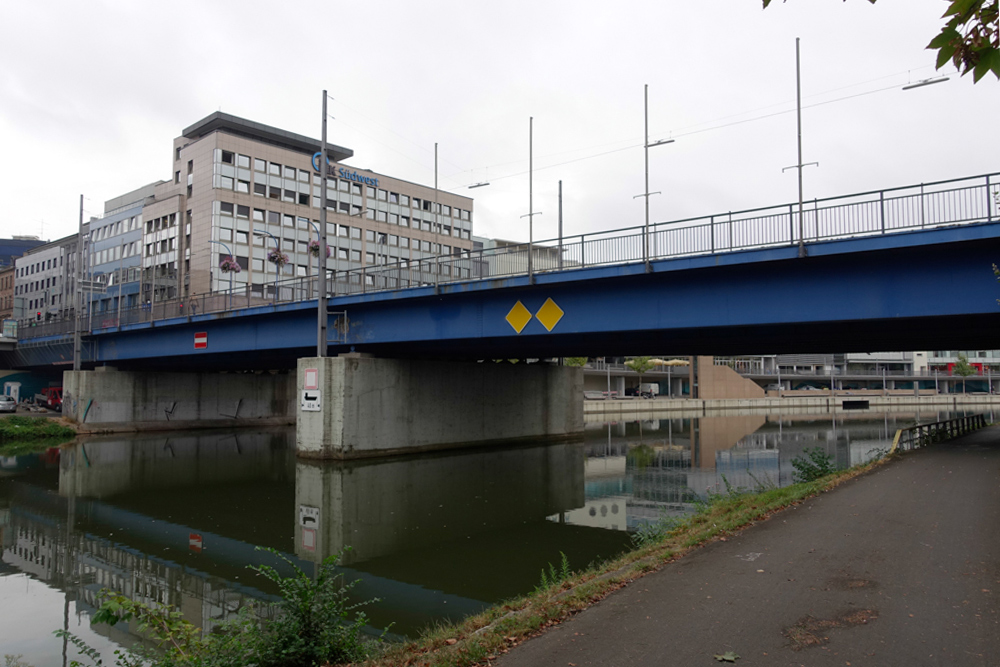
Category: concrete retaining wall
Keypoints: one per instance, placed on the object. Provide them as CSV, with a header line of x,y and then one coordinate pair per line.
x,y
717,382
695,407
381,407
111,400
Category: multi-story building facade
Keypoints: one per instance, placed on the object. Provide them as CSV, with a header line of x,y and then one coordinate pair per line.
x,y
241,189
44,280
6,292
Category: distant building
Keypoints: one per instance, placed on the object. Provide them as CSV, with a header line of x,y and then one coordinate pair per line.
x,y
44,279
12,248
499,257
6,292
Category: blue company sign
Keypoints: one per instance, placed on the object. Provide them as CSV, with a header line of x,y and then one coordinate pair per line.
x,y
344,173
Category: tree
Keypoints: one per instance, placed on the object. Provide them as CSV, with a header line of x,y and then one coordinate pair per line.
x,y
963,369
575,361
970,37
640,365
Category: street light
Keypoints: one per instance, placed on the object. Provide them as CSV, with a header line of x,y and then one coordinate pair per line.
x,y
230,253
646,146
925,82
277,248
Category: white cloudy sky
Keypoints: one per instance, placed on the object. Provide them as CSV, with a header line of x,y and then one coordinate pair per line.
x,y
92,93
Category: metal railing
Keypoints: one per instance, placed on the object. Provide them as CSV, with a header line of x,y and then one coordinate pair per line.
x,y
942,203
922,435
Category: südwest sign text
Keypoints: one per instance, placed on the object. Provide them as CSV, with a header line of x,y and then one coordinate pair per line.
x,y
346,174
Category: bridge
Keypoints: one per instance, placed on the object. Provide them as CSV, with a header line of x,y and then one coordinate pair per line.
x,y
907,268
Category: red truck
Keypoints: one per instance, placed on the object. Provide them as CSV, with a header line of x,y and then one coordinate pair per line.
x,y
50,397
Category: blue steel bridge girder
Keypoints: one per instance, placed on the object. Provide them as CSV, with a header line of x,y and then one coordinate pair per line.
x,y
921,290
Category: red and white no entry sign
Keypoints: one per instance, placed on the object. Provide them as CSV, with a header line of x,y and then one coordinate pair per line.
x,y
194,542
201,340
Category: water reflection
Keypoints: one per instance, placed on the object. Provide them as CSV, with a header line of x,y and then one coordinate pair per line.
x,y
176,519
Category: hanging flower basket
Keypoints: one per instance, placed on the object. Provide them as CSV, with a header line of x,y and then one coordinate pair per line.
x,y
229,265
314,249
278,258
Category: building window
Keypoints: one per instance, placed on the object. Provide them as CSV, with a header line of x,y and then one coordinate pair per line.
x,y
228,157
260,189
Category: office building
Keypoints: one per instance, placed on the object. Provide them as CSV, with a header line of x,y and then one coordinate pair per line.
x,y
242,189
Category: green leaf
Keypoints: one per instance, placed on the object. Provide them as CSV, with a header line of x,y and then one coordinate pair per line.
x,y
728,656
962,8
992,60
947,36
944,55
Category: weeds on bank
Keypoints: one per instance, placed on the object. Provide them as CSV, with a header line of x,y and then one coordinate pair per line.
x,y
813,464
316,625
553,577
18,430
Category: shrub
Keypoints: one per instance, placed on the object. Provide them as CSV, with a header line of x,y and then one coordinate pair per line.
x,y
813,464
316,625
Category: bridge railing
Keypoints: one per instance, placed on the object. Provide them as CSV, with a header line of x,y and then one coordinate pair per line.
x,y
927,205
922,435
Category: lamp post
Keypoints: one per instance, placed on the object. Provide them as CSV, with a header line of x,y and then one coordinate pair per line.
x,y
531,196
800,165
321,314
77,295
230,253
277,248
646,146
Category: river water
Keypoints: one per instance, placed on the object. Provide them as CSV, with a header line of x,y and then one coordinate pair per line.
x,y
177,518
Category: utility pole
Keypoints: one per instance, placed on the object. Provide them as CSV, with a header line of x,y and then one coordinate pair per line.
x,y
799,165
560,228
321,314
531,198
77,293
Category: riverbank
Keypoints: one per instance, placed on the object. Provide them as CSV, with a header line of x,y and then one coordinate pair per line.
x,y
638,408
483,638
20,434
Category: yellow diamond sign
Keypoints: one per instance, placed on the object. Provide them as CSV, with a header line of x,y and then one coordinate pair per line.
x,y
549,314
518,317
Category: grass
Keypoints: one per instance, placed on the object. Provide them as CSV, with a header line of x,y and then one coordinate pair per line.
x,y
17,432
484,637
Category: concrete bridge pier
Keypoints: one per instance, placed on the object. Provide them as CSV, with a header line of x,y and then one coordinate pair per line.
x,y
357,406
107,399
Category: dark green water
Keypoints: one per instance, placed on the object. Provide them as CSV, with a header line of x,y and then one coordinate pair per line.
x,y
177,518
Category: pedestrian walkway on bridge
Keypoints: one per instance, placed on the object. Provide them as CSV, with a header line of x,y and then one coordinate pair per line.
x,y
900,566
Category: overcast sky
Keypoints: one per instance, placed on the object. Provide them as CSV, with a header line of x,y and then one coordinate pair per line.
x,y
91,95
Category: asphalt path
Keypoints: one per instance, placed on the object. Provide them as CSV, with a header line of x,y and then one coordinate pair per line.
x,y
900,566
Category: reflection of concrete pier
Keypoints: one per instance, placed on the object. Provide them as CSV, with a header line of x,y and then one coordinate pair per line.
x,y
403,505
107,466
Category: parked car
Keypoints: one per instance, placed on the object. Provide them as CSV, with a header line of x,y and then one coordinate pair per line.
x,y
7,404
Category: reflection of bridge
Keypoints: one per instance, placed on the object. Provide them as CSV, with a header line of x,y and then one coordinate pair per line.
x,y
905,268
129,510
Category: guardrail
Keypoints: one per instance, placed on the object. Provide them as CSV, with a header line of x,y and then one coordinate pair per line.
x,y
922,435
927,205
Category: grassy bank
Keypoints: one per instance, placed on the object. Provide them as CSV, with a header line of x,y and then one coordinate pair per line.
x,y
22,435
481,638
